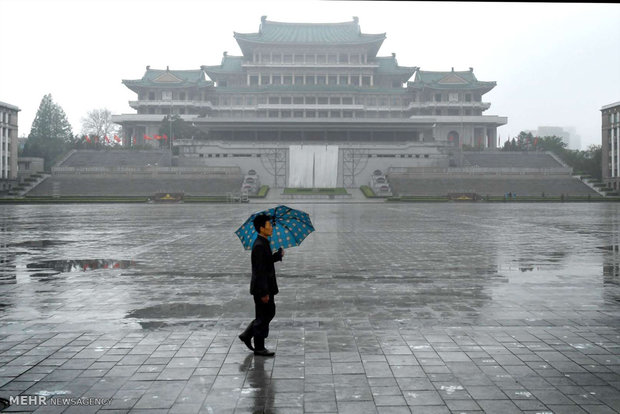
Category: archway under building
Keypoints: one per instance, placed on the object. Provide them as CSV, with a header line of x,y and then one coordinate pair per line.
x,y
454,139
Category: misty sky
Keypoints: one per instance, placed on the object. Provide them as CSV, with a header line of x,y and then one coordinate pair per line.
x,y
554,64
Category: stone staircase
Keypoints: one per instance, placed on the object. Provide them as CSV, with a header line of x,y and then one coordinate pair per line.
x,y
29,183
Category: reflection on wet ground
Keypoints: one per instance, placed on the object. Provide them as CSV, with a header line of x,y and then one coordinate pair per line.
x,y
418,307
66,266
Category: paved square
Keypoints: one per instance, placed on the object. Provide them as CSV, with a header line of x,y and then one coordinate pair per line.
x,y
386,308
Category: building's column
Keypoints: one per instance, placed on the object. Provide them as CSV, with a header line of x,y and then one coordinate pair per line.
x,y
1,150
618,149
360,81
613,145
6,153
372,80
248,79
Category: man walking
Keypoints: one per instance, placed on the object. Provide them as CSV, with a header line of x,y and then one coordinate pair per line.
x,y
263,287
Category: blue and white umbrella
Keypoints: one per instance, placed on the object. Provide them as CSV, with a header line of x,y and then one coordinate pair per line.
x,y
290,228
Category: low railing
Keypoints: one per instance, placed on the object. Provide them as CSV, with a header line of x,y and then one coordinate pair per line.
x,y
479,171
148,170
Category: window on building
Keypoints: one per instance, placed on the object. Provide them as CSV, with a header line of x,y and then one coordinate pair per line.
x,y
372,101
360,114
181,111
347,101
273,114
310,59
286,114
299,80
321,59
355,80
344,80
277,58
151,110
285,100
467,112
322,100
383,101
310,80
453,111
397,84
396,102
453,97
250,100
182,96
331,58
343,58
299,58
262,100
321,80
274,100
266,57
264,80
298,114
347,114
334,100
287,80
365,80
310,114
332,79
336,114
288,58
323,114
238,101
437,97
355,58
298,100
225,100
277,79
468,97
437,111
310,100
253,80
151,96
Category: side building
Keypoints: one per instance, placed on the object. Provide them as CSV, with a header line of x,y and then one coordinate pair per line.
x,y
611,145
313,105
8,146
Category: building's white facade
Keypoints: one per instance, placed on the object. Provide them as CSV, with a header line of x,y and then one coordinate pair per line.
x,y
8,145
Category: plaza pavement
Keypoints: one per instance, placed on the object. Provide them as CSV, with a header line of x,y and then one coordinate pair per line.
x,y
384,309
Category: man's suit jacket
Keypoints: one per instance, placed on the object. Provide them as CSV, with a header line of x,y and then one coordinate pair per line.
x,y
263,271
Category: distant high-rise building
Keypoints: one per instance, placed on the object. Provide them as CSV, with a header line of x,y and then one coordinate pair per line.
x,y
611,145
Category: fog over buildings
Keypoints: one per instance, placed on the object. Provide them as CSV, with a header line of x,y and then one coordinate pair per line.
x,y
554,64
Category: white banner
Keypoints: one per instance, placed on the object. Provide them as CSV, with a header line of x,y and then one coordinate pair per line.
x,y
313,166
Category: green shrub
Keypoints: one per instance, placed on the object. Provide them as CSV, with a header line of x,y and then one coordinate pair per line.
x,y
367,191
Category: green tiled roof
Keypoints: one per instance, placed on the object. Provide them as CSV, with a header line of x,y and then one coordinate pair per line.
x,y
389,66
169,79
449,80
230,64
277,32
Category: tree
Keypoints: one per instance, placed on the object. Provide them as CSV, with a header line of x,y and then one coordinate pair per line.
x,y
50,134
98,123
174,127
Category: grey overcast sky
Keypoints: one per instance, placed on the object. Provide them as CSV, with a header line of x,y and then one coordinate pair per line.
x,y
554,64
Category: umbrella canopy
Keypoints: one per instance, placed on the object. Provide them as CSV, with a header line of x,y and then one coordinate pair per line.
x,y
290,228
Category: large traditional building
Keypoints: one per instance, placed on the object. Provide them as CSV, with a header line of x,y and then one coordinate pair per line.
x,y
8,146
611,145
312,105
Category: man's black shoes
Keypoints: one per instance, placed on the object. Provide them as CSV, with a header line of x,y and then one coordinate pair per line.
x,y
247,341
264,352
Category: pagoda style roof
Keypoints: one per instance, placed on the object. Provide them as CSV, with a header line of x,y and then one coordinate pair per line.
x,y
230,64
345,33
389,66
450,80
169,79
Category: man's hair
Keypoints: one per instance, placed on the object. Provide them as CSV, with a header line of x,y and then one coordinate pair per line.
x,y
260,220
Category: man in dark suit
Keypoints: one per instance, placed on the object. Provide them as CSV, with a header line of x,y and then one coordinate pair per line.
x,y
263,287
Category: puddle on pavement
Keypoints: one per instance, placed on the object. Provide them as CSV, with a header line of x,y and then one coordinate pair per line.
x,y
67,266
37,244
176,311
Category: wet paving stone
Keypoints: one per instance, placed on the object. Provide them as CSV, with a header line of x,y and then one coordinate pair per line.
x,y
383,309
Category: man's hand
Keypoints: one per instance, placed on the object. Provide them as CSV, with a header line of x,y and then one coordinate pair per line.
x,y
282,251
265,299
